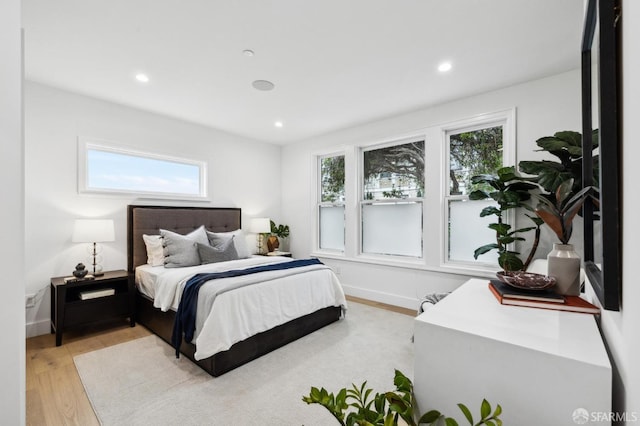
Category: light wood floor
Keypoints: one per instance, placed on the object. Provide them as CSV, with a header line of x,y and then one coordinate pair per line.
x,y
55,395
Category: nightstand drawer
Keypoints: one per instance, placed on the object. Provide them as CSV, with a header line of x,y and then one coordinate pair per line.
x,y
94,310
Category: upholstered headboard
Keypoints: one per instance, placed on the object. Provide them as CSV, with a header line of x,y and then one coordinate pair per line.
x,y
150,219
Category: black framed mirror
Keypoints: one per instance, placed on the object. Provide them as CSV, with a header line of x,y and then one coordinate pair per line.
x,y
600,106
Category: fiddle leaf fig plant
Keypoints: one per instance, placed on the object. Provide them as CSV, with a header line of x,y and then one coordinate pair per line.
x,y
567,147
386,409
509,191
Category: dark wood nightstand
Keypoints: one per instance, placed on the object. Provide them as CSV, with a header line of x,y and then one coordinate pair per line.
x,y
279,253
72,303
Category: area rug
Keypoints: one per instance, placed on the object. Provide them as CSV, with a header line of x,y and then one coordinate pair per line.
x,y
142,383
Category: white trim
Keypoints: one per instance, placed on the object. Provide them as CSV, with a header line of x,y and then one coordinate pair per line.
x,y
382,297
460,269
37,328
87,144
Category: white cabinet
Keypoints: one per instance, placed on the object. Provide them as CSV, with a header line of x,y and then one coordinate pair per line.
x,y
539,365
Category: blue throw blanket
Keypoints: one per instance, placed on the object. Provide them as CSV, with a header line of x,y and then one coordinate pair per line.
x,y
186,316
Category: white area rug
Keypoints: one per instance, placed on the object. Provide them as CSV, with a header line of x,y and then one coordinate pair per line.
x,y
142,383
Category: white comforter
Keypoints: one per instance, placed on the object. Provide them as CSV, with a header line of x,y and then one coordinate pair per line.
x,y
273,298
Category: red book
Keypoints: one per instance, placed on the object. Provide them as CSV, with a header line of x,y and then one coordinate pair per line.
x,y
571,303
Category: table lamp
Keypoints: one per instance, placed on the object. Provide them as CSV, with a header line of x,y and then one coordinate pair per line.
x,y
261,226
94,231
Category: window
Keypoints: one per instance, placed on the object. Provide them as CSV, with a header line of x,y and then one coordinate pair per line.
x,y
392,199
108,169
331,214
478,148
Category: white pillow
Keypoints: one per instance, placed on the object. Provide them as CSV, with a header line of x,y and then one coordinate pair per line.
x,y
155,252
217,239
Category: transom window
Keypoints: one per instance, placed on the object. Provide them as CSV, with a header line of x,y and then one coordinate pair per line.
x,y
109,169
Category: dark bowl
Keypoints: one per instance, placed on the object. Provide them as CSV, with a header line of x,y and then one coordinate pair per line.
x,y
526,280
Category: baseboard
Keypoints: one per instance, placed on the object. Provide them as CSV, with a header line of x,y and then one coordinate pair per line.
x,y
378,296
38,328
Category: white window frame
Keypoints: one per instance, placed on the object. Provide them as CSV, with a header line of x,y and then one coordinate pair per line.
x,y
507,119
362,202
85,145
317,189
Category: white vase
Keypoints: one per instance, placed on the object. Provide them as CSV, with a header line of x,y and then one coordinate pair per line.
x,y
563,263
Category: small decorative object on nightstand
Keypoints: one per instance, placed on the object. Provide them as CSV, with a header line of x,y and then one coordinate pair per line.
x,y
80,271
77,302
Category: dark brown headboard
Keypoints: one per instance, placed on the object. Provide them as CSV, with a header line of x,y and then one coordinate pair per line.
x,y
150,219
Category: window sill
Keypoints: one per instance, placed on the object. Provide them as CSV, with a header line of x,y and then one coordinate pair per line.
x,y
416,264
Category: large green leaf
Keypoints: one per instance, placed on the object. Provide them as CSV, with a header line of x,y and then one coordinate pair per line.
x,y
484,249
466,412
500,228
478,195
485,409
429,417
509,261
490,210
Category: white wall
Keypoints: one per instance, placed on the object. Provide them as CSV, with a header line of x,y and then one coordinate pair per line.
x,y
12,357
241,173
543,107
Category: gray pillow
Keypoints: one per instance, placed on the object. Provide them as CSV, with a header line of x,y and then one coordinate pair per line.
x,y
216,239
181,250
221,253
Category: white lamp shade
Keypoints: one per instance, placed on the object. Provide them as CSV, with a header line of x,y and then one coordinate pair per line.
x,y
93,231
261,225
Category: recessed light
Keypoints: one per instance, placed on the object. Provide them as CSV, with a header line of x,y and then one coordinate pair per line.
x,y
248,52
263,85
278,124
142,78
444,67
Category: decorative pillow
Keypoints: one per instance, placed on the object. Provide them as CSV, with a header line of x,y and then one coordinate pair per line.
x,y
155,251
181,250
216,239
209,254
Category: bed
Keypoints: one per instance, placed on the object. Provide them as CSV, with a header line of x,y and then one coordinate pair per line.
x,y
148,220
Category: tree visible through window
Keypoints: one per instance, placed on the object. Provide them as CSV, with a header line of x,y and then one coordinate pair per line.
x,y
394,172
331,220
392,199
471,152
332,178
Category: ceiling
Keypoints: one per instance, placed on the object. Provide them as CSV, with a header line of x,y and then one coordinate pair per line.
x,y
334,63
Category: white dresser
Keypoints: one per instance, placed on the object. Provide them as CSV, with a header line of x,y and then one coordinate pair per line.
x,y
540,365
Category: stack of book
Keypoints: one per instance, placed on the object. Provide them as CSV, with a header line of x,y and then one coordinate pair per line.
x,y
544,299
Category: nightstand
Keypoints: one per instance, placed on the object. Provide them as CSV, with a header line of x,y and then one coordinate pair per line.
x,y
279,253
80,302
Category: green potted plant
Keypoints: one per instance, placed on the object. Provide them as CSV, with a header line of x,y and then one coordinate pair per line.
x,y
386,409
509,191
558,210
567,147
277,231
